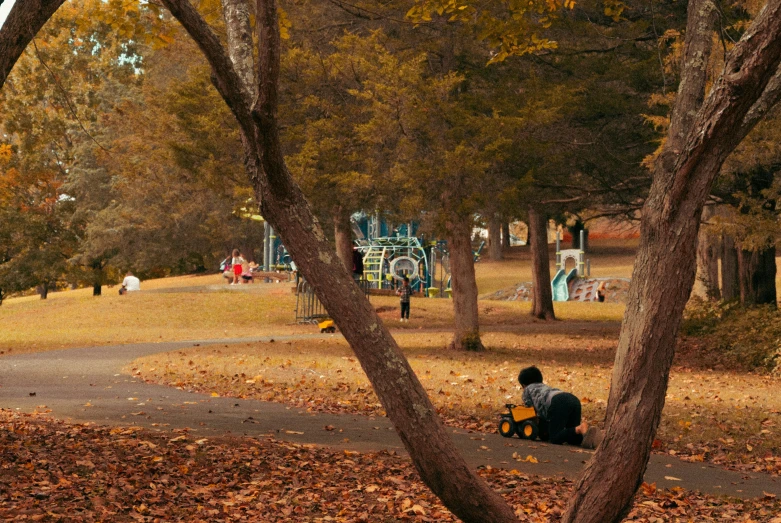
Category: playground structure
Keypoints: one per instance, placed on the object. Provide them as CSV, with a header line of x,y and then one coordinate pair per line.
x,y
567,285
398,253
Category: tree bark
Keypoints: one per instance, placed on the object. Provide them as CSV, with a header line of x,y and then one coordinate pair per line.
x,y
542,295
757,276
699,139
343,236
708,257
730,273
24,21
282,203
236,14
466,335
495,239
506,235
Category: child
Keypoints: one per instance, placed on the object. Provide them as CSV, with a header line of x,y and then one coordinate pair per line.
x,y
559,412
236,262
405,291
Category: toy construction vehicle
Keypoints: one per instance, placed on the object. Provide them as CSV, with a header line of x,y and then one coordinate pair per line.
x,y
519,420
327,325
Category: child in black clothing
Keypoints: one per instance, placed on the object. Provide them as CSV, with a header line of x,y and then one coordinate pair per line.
x,y
405,291
558,411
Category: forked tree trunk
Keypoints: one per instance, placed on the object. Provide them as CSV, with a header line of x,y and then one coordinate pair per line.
x,y
282,203
343,238
506,235
542,294
730,273
708,257
757,271
495,239
466,334
700,137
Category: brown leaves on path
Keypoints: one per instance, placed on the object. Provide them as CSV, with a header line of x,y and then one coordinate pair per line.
x,y
54,471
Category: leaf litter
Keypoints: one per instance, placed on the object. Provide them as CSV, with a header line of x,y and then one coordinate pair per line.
x,y
57,471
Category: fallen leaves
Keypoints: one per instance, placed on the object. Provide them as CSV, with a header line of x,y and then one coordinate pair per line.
x,y
54,471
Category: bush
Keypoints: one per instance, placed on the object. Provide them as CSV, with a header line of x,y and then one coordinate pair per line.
x,y
744,337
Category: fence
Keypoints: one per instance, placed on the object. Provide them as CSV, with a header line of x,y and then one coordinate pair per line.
x,y
308,306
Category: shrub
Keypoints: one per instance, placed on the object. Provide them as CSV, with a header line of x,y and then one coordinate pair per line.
x,y
744,337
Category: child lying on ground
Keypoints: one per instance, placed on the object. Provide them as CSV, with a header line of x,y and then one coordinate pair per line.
x,y
558,411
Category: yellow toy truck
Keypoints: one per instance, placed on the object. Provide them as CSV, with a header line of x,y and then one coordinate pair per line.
x,y
327,325
519,420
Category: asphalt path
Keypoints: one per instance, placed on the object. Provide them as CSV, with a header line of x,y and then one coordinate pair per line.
x,y
89,385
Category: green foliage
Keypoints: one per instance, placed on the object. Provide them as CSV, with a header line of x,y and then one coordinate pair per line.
x,y
739,337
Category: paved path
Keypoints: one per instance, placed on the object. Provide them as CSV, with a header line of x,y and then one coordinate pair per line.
x,y
88,385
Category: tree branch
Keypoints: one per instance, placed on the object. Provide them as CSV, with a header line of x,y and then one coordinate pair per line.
x,y
224,76
23,23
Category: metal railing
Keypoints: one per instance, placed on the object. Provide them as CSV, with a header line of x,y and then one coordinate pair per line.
x,y
308,306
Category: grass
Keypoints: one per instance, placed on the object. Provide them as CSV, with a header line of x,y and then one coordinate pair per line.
x,y
76,318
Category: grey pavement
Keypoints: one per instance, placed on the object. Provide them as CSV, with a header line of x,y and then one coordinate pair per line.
x,y
88,385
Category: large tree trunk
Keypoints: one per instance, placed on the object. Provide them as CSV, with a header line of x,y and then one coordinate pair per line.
x,y
708,257
466,335
542,295
757,276
495,239
44,290
343,236
282,203
698,141
730,273
506,235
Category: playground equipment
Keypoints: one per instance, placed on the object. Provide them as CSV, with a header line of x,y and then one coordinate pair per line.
x,y
519,420
563,281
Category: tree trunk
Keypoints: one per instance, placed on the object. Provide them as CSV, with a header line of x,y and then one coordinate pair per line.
x,y
466,335
730,273
343,235
700,137
708,257
239,30
506,235
282,203
44,290
542,295
757,276
97,289
495,239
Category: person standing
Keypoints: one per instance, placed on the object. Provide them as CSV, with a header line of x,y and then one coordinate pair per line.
x,y
237,262
405,292
357,264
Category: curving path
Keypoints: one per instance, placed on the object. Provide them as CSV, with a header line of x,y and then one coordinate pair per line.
x,y
87,385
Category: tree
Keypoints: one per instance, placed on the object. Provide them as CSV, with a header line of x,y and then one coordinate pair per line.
x,y
700,137
542,297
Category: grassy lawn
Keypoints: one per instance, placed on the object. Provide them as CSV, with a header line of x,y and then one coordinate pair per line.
x,y
76,318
